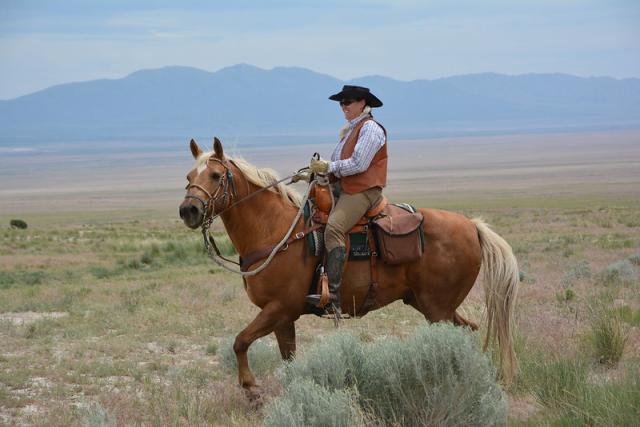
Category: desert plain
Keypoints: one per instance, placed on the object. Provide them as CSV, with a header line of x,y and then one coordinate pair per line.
x,y
111,313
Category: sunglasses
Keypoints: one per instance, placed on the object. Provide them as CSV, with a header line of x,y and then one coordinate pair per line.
x,y
345,102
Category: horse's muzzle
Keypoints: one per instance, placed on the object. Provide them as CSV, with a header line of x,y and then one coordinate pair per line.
x,y
191,214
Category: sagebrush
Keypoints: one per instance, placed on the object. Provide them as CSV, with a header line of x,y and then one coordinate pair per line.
x,y
437,376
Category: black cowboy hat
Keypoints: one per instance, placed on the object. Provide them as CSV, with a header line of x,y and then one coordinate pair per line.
x,y
357,93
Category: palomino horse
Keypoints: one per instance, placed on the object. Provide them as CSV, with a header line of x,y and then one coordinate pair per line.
x,y
455,250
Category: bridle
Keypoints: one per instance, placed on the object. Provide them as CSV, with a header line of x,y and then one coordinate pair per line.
x,y
222,193
226,181
226,192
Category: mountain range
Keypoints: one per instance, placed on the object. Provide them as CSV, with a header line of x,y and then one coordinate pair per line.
x,y
247,101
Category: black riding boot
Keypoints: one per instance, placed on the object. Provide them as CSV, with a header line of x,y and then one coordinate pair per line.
x,y
335,267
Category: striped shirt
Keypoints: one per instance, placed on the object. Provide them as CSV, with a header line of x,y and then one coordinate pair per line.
x,y
370,140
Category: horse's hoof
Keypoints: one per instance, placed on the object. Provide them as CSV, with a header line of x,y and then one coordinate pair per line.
x,y
254,395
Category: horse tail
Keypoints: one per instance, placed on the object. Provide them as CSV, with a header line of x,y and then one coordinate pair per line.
x,y
500,278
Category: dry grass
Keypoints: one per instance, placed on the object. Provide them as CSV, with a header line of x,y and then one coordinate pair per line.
x,y
145,342
148,316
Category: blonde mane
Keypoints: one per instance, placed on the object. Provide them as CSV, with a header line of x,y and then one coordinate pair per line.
x,y
261,177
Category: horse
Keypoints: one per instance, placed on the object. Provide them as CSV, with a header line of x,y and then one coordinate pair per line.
x,y
456,249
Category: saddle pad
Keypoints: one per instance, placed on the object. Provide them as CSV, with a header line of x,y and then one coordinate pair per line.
x,y
358,242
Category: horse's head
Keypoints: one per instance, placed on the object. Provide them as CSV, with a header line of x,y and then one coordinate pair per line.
x,y
208,190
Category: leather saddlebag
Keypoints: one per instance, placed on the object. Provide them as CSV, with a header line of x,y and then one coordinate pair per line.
x,y
399,235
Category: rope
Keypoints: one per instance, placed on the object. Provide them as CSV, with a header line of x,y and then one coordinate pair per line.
x,y
276,249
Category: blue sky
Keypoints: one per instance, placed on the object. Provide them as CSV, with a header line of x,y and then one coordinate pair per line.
x,y
47,42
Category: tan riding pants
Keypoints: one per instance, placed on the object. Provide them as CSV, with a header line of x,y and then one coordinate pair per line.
x,y
346,214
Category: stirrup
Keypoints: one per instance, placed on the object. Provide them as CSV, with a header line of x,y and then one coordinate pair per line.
x,y
314,299
337,313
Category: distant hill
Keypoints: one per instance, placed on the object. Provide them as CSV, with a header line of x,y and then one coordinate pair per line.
x,y
244,100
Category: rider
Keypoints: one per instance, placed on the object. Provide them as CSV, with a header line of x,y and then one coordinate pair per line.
x,y
359,164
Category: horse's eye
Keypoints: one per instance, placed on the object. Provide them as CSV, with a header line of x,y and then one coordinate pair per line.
x,y
215,176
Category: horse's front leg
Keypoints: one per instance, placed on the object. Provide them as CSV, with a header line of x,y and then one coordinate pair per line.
x,y
270,318
286,336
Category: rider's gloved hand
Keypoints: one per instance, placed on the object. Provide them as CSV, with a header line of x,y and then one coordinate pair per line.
x,y
319,166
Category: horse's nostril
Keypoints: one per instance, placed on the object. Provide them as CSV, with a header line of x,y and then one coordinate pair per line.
x,y
190,212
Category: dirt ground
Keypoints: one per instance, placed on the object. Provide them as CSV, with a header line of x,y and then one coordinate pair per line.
x,y
436,172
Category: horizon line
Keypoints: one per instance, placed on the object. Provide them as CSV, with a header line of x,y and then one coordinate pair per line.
x,y
244,64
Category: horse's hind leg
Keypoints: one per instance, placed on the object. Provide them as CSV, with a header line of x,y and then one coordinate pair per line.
x,y
425,304
286,336
458,320
436,314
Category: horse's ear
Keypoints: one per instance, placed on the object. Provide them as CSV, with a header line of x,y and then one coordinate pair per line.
x,y
217,148
195,150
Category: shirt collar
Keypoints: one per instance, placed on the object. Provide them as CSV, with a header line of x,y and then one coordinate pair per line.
x,y
357,120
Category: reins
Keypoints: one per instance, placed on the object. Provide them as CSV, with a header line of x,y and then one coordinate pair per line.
x,y
209,241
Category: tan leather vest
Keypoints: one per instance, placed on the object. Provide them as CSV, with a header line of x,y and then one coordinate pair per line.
x,y
375,175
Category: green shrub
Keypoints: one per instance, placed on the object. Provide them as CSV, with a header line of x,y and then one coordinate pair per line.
x,y
305,403
631,221
212,348
557,380
183,398
190,252
133,264
528,278
615,241
628,315
147,258
131,299
618,273
96,416
21,277
335,362
604,222
155,256
575,399
154,250
567,295
39,329
6,279
435,377
225,246
264,356
582,270
635,259
522,247
608,404
102,272
608,336
178,251
18,223
31,277
152,255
